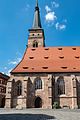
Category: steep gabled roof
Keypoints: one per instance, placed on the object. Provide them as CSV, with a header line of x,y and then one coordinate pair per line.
x,y
49,59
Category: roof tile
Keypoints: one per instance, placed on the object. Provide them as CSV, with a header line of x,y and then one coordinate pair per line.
x,y
51,59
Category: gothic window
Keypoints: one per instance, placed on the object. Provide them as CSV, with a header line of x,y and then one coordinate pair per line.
x,y
19,88
35,44
38,84
61,86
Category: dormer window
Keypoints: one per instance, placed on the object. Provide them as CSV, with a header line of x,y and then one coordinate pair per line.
x,y
25,67
74,68
46,57
61,57
45,67
46,48
74,48
77,57
59,48
64,67
33,49
31,57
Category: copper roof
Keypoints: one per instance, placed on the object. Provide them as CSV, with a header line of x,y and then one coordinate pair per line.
x,y
49,59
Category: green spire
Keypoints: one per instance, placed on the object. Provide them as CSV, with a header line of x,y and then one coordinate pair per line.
x,y
37,21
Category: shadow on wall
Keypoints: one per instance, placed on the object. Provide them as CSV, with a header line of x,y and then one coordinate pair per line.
x,y
25,117
78,93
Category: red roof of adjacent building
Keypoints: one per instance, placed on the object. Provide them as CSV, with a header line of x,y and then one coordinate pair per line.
x,y
49,59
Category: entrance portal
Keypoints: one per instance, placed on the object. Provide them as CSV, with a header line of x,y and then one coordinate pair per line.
x,y
38,102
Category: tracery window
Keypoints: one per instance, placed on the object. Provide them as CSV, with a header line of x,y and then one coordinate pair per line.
x,y
61,86
19,88
38,84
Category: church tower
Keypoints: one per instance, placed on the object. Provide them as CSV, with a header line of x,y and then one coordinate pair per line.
x,y
36,34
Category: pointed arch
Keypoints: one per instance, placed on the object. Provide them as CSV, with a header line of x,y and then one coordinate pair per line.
x,y
19,88
38,102
35,43
61,85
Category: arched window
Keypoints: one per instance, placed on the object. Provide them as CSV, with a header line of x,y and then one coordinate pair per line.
x,y
19,88
61,86
35,44
38,83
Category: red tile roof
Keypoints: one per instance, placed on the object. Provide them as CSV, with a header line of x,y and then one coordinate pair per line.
x,y
50,59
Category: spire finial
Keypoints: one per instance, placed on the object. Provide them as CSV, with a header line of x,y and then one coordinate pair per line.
x,y
36,3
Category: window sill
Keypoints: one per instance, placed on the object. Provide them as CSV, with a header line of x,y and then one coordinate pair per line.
x,y
63,95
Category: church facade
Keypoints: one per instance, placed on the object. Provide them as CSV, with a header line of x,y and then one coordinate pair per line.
x,y
45,74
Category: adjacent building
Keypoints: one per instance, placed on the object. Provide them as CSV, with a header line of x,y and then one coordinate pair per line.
x,y
3,83
45,74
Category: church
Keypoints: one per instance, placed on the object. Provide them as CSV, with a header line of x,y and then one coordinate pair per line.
x,y
45,75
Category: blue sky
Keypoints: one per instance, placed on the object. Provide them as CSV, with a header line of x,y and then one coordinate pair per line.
x,y
60,20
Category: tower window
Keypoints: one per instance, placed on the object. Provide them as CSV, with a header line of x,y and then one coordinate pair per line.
x,y
35,44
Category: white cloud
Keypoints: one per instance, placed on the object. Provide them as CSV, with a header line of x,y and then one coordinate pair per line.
x,y
60,26
15,62
27,7
65,20
54,4
50,17
47,8
5,68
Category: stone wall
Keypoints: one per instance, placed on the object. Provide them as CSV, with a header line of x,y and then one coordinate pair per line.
x,y
48,93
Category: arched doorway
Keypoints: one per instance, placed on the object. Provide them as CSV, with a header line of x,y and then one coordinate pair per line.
x,y
38,102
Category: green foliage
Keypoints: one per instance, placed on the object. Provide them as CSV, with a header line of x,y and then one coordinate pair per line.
x,y
56,105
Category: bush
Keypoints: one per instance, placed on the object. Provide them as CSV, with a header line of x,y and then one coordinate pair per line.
x,y
56,105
